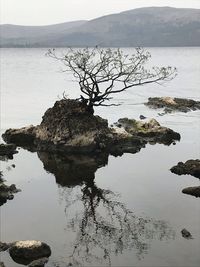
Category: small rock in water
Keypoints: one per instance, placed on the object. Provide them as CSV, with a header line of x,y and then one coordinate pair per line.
x,y
7,149
191,167
6,192
142,117
193,191
25,252
2,264
186,234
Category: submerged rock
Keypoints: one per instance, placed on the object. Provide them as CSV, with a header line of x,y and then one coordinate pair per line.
x,y
186,234
69,127
171,104
25,252
193,191
191,167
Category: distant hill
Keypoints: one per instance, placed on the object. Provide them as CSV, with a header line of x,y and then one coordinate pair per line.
x,y
151,26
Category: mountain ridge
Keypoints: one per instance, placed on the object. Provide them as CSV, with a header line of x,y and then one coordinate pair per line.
x,y
149,26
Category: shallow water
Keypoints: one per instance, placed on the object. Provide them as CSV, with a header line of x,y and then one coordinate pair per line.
x,y
124,211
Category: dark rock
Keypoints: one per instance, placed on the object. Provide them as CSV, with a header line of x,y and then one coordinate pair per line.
x,y
7,151
22,136
4,246
193,191
6,192
186,234
191,167
142,117
2,264
173,104
25,252
38,263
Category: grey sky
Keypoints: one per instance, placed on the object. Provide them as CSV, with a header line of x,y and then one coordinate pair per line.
x,y
44,12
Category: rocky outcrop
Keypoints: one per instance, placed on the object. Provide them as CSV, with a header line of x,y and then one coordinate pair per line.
x,y
186,234
173,104
150,131
6,192
191,167
69,127
25,252
7,151
193,191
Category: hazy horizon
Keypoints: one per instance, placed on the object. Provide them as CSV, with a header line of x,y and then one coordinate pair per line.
x,y
37,13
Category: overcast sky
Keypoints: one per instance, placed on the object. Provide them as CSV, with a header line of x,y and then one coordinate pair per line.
x,y
44,12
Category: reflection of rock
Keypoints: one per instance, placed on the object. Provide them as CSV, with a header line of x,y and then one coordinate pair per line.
x,y
24,252
38,263
71,170
69,127
173,104
193,191
6,192
191,167
186,234
7,151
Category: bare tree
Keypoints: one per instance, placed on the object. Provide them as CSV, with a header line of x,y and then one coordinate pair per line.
x,y
101,73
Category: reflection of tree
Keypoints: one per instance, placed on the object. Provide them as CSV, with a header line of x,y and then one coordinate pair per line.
x,y
104,226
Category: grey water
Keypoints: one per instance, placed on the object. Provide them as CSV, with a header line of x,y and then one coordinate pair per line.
x,y
106,211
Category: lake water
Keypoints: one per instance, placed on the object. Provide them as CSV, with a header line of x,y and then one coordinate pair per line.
x,y
116,211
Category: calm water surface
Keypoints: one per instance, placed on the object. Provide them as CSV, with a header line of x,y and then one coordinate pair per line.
x,y
105,211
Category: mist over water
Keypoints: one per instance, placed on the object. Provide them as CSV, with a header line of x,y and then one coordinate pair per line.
x,y
117,211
